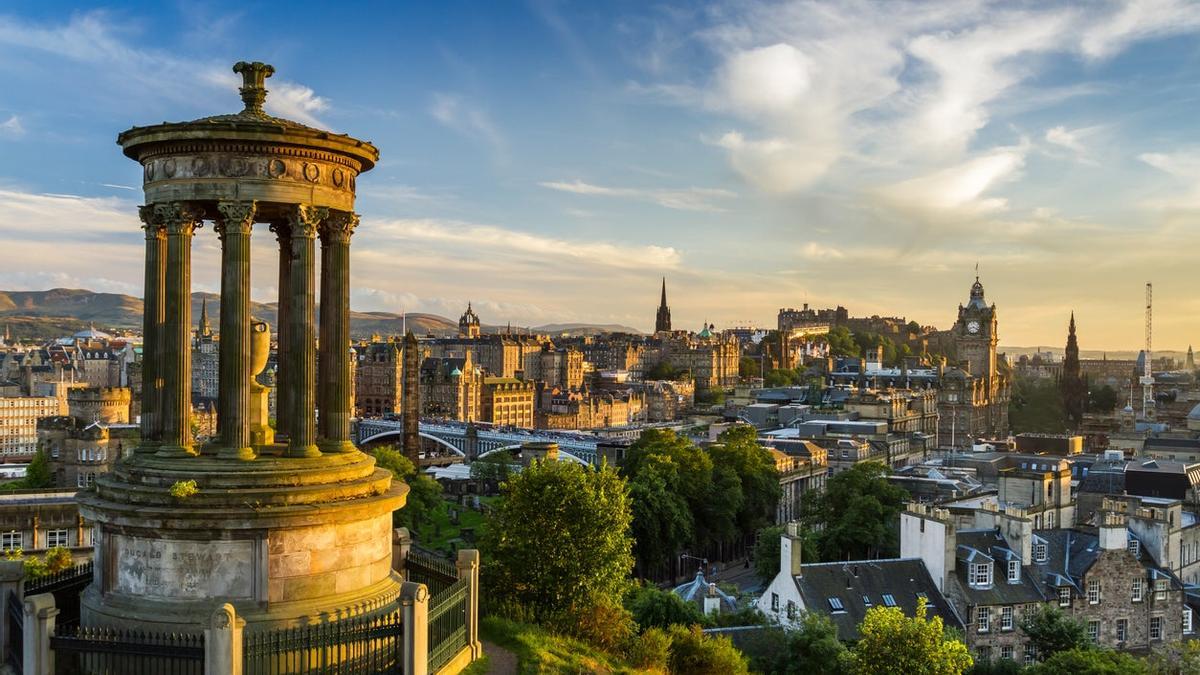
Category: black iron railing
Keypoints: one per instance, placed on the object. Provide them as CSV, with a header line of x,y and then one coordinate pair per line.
x,y
16,632
66,586
436,573
108,651
447,623
372,644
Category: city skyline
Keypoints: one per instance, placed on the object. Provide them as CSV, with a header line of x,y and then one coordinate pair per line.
x,y
558,160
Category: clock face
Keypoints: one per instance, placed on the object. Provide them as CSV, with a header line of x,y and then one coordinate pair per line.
x,y
972,327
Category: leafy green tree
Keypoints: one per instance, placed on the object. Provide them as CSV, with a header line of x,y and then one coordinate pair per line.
x,y
497,466
1102,399
812,649
737,449
652,608
1091,661
1052,631
894,644
748,366
842,343
859,510
37,474
779,377
559,539
662,518
424,493
1175,658
695,653
767,549
58,559
662,371
996,667
1036,406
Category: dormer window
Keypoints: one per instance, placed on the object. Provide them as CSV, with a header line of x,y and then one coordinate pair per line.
x,y
981,574
1039,553
1160,589
1064,596
1014,571
1135,547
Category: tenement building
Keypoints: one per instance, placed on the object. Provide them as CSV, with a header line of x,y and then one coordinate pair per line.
x,y
379,375
19,417
508,401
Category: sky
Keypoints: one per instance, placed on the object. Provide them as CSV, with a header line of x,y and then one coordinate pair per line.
x,y
552,161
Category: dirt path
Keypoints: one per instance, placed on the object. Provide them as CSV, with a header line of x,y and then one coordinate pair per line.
x,y
500,660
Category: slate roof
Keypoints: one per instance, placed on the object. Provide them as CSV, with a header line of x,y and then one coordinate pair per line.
x,y
984,546
854,584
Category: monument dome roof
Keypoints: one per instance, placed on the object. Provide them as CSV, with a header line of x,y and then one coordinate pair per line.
x,y
1195,413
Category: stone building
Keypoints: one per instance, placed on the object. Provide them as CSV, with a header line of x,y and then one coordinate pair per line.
x,y
107,405
206,372
80,451
378,379
36,520
668,400
508,401
802,467
973,396
565,409
468,323
451,388
19,417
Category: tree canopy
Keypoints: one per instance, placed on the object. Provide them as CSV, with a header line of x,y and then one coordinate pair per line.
x,y
424,493
1091,661
1051,631
859,511
894,644
559,538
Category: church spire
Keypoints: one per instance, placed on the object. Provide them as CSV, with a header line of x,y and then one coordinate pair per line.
x,y
1071,384
205,328
662,321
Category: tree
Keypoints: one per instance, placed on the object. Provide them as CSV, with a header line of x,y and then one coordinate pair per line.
x,y
812,649
892,643
1091,661
748,366
58,559
37,474
860,510
496,466
654,608
1036,406
779,377
695,653
1102,399
737,449
662,371
559,539
767,549
1051,631
662,517
841,342
1175,658
424,493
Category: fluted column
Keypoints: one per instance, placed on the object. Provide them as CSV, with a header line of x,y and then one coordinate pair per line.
x,y
335,331
233,401
283,390
302,355
180,220
152,329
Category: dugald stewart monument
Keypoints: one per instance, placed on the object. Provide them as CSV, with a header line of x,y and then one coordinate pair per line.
x,y
289,527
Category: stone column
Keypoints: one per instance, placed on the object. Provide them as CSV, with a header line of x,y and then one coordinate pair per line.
x,y
180,220
152,328
233,402
223,642
414,604
283,390
401,545
38,625
335,332
302,353
468,568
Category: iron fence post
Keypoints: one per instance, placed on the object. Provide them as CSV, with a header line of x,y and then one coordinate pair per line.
x,y
401,543
223,642
414,599
39,626
468,568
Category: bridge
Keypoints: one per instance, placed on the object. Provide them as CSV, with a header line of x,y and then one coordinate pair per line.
x,y
455,438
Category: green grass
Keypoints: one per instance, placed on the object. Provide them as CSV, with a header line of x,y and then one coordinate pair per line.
x,y
539,651
478,667
437,532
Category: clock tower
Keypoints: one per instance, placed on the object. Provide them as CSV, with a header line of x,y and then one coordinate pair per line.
x,y
975,336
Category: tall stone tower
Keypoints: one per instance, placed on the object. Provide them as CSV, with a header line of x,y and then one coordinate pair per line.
x,y
1071,383
294,533
975,335
204,329
468,323
411,399
662,322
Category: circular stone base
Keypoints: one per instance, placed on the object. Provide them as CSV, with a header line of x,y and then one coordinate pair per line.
x,y
285,540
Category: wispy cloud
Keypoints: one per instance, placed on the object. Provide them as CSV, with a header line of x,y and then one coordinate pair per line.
x,y
12,127
685,199
961,189
467,118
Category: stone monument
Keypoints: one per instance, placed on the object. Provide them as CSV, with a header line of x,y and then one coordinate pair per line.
x,y
289,532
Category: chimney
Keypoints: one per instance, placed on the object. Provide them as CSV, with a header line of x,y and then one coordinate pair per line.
x,y
789,550
1113,526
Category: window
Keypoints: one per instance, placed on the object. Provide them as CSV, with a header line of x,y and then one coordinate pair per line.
x,y
1156,628
1122,629
1006,652
1029,653
981,574
1139,586
983,619
1039,553
56,538
1064,596
1160,589
791,609
774,602
1187,620
1135,547
1094,630
985,653
81,479
11,540
1014,571
1006,618
867,600
888,600
1093,591
836,605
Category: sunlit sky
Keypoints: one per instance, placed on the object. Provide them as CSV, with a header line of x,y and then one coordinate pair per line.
x,y
551,161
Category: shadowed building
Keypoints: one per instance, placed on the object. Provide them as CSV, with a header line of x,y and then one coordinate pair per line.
x,y
288,533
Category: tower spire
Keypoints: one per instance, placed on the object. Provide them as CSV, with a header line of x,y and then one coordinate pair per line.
x,y
205,328
662,321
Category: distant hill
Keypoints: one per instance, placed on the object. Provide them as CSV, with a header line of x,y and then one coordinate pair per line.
x,y
63,311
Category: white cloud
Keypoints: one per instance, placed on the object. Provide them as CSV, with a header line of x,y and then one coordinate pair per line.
x,y
685,199
814,251
466,118
12,127
1068,139
960,189
779,164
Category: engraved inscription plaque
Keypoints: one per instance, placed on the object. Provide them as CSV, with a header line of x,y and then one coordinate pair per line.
x,y
168,568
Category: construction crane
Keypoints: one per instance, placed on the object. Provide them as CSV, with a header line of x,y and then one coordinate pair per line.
x,y
1147,378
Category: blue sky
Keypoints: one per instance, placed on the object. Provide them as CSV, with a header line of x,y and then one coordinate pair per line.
x,y
549,161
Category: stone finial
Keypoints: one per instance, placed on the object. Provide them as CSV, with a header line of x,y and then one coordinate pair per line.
x,y
253,89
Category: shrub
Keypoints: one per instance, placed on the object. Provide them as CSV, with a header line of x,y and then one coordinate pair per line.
x,y
600,623
654,608
182,489
58,559
695,653
650,650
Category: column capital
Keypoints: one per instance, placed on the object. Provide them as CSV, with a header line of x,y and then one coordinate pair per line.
x,y
179,217
151,221
305,218
236,217
338,227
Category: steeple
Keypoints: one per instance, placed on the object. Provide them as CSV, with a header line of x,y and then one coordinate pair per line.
x,y
662,322
1071,385
205,327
